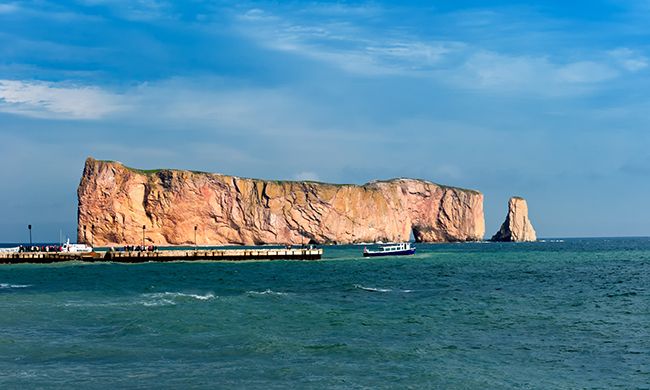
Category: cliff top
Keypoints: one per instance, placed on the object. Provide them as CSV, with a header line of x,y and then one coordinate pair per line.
x,y
155,171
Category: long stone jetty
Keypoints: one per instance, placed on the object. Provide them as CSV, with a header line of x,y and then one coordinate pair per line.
x,y
164,256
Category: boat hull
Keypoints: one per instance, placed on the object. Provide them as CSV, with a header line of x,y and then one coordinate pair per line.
x,y
406,252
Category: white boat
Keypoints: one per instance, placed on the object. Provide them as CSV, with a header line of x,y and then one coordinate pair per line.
x,y
75,248
10,250
401,249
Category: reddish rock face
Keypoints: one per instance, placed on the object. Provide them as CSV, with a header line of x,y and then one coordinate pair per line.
x,y
517,226
115,202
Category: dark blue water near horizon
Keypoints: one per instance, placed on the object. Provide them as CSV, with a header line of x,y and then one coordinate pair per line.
x,y
562,314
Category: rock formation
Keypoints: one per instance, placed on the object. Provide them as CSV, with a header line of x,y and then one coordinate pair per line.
x,y
115,202
517,226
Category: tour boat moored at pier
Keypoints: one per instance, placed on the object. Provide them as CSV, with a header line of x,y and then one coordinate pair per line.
x,y
75,248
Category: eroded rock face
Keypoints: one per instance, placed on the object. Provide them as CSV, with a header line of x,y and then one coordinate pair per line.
x,y
116,201
517,226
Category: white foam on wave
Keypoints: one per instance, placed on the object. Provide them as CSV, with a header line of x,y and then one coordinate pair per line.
x,y
7,285
170,298
372,289
377,289
151,299
172,295
266,292
162,302
96,304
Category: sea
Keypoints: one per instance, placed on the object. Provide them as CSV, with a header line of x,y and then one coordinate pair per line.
x,y
555,314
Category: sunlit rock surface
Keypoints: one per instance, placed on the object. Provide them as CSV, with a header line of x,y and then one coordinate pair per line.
x,y
115,202
517,226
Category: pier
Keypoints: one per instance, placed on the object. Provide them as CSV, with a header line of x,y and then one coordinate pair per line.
x,y
163,256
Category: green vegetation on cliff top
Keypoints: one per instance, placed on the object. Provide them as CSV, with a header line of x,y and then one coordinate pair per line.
x,y
281,182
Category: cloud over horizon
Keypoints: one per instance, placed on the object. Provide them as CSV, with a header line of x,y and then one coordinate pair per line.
x,y
55,101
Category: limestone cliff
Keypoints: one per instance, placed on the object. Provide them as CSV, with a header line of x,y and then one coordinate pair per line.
x,y
517,226
115,202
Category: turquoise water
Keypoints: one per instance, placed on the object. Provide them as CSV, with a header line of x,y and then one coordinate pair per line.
x,y
564,315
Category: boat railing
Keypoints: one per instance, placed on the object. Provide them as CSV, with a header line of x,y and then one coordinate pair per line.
x,y
395,247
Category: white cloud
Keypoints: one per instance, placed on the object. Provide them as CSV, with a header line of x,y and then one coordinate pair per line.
x,y
204,104
221,105
306,176
448,172
413,54
585,72
255,14
46,10
8,8
527,74
136,10
346,46
487,69
56,101
338,9
629,59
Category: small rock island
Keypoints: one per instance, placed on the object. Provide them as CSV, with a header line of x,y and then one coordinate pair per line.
x,y
517,226
120,205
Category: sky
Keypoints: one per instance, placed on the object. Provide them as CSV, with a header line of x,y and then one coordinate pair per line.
x,y
544,100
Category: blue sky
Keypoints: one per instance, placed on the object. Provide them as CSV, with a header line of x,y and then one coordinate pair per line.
x,y
546,100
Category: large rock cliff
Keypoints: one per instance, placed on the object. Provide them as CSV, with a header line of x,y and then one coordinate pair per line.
x,y
517,226
115,202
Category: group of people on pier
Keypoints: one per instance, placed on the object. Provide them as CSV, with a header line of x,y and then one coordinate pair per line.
x,y
140,248
42,248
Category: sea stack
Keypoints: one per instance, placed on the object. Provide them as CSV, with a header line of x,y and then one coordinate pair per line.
x,y
120,205
517,226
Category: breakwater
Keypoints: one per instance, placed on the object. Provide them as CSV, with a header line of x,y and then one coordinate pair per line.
x,y
163,256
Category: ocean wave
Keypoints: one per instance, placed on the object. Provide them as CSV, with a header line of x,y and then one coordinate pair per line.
x,y
266,292
377,289
172,298
372,289
161,302
172,295
97,304
7,285
151,299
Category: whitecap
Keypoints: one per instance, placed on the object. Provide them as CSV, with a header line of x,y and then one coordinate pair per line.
x,y
95,304
372,289
172,295
152,299
172,298
7,285
162,302
27,374
377,289
266,292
